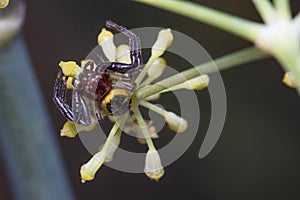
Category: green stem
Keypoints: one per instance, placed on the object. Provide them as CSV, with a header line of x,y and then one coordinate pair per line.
x,y
143,127
225,62
113,132
232,24
27,140
266,10
283,7
153,107
143,73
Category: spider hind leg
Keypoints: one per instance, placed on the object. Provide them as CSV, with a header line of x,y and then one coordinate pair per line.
x,y
135,50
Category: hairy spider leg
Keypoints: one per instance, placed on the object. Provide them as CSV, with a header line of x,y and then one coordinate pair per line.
x,y
80,109
59,97
135,51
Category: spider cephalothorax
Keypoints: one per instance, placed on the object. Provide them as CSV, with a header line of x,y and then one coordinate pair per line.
x,y
109,84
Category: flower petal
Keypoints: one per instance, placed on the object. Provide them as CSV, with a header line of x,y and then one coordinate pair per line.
x,y
105,40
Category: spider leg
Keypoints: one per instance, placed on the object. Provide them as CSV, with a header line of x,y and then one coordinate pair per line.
x,y
80,109
99,116
135,51
59,97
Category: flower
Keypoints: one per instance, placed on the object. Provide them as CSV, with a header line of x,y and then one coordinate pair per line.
x,y
288,79
176,123
123,54
105,40
70,68
70,129
153,167
144,130
156,69
4,3
89,169
164,40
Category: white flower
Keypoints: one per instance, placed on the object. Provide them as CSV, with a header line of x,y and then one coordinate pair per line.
x,y
164,40
123,54
89,169
156,69
3,3
105,40
153,167
175,122
197,83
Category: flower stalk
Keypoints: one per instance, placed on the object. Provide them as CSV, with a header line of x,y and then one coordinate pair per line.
x,y
279,36
238,26
226,62
89,169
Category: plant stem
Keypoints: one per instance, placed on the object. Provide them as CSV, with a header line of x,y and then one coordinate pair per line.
x,y
27,140
153,107
143,127
143,73
266,10
225,62
232,24
113,132
283,7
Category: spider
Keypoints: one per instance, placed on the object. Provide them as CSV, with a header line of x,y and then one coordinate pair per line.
x,y
108,84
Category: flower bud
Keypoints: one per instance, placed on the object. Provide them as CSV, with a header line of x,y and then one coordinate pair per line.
x,y
156,69
3,3
123,54
163,41
197,83
175,123
153,167
70,68
70,129
288,79
89,169
105,40
69,83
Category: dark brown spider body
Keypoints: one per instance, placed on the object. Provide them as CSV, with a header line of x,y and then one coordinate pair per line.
x,y
109,84
93,85
110,89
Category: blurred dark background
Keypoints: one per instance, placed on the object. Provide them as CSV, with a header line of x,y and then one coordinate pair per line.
x,y
258,153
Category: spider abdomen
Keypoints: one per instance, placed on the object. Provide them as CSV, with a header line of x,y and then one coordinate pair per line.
x,y
95,86
116,102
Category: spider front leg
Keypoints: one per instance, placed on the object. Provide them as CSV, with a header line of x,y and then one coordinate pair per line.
x,y
80,109
59,96
135,51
